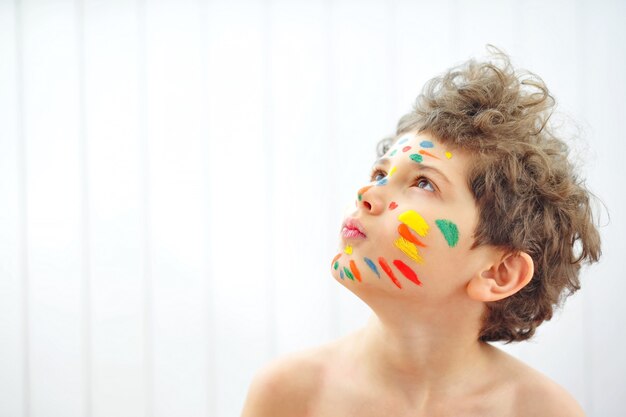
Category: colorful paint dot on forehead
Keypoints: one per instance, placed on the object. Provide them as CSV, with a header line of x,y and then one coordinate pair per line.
x,y
348,250
392,205
406,148
348,273
416,157
355,270
448,155
426,144
414,221
382,181
372,266
403,140
392,170
406,233
409,249
423,152
449,231
393,152
385,266
407,272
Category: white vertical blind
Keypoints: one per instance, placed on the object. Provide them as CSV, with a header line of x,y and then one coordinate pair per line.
x,y
173,175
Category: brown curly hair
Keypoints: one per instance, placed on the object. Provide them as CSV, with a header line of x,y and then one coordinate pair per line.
x,y
529,197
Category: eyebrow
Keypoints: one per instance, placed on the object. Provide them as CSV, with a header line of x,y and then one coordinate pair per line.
x,y
416,167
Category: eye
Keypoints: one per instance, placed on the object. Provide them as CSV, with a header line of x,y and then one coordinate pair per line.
x,y
377,175
425,183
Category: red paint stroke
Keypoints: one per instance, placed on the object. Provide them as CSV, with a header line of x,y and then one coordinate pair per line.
x,y
405,232
334,259
406,148
385,266
423,152
407,272
392,205
355,270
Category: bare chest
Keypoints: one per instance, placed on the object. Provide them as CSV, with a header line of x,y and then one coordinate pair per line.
x,y
347,398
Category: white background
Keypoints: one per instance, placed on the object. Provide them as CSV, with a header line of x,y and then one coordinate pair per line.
x,y
173,175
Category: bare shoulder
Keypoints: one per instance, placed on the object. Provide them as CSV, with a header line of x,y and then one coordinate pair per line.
x,y
544,397
538,395
288,385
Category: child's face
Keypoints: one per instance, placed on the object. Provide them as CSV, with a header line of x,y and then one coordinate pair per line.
x,y
417,217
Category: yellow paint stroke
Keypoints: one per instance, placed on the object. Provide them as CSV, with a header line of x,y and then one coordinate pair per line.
x,y
393,169
414,221
348,250
448,155
409,249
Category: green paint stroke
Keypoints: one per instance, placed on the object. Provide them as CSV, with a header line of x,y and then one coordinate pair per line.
x,y
449,230
336,265
348,273
417,157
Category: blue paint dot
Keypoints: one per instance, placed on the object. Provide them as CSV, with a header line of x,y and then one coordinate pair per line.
x,y
427,144
405,140
372,265
341,274
382,181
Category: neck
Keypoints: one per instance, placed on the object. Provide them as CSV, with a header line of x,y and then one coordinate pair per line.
x,y
421,358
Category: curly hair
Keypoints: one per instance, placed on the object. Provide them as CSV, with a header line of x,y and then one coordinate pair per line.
x,y
529,196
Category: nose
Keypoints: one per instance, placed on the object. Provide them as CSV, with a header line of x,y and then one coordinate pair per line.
x,y
370,199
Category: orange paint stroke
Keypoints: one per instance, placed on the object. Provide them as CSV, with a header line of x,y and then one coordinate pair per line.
x,y
407,272
355,270
363,190
405,232
335,258
423,152
385,266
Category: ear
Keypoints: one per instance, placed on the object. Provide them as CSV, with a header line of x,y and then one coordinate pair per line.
x,y
502,279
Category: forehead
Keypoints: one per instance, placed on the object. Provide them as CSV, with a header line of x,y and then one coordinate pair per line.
x,y
422,151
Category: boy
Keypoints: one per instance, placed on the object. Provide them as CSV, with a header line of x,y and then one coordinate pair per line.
x,y
465,235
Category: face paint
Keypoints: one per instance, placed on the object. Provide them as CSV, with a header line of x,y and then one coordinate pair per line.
x,y
372,266
448,155
406,148
423,152
382,181
363,191
407,272
409,249
404,231
348,273
385,266
392,170
334,261
341,274
348,250
449,230
355,270
414,221
417,158
393,152
392,205
426,144
403,140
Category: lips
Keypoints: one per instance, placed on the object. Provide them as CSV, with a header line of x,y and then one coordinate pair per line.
x,y
352,228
